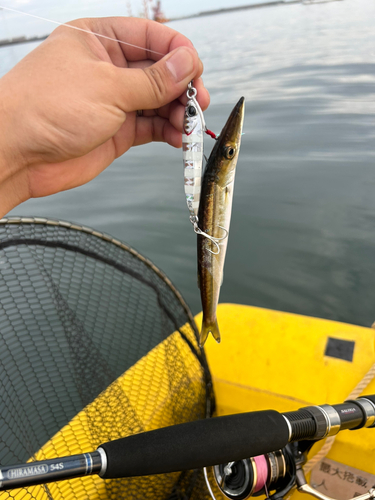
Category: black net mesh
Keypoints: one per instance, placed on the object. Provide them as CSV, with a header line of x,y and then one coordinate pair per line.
x,y
95,344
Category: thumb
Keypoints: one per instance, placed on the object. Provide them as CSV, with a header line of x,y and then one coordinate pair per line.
x,y
160,83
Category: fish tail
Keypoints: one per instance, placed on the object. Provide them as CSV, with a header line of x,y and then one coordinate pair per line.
x,y
209,327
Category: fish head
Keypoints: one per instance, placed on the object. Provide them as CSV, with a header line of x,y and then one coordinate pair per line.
x,y
227,147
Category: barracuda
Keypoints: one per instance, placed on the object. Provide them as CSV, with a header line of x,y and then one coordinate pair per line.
x,y
214,215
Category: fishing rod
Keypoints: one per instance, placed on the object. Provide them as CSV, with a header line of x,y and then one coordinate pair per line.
x,y
202,443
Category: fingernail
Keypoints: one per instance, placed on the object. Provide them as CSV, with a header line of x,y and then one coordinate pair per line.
x,y
181,63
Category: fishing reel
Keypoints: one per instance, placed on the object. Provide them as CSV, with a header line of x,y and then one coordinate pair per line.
x,y
273,475
250,477
276,473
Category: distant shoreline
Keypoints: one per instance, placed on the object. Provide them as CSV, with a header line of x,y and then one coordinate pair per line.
x,y
22,39
239,7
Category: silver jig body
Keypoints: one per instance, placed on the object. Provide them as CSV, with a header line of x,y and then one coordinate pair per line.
x,y
194,129
192,151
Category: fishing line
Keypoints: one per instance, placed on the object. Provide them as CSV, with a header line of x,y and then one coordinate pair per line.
x,y
80,29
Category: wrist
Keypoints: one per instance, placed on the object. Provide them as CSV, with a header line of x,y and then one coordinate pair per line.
x,y
13,168
13,192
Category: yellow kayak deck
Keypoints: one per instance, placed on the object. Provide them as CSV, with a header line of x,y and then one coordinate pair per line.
x,y
271,359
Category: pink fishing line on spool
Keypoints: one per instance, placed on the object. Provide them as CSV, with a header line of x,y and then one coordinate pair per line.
x,y
262,472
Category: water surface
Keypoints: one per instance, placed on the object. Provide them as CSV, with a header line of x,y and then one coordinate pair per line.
x,y
302,235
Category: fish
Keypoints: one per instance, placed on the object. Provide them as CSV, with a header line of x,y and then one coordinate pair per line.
x,y
192,152
214,215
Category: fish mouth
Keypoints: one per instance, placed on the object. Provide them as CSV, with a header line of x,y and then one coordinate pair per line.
x,y
233,128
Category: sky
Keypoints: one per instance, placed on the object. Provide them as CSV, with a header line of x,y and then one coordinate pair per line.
x,y
12,24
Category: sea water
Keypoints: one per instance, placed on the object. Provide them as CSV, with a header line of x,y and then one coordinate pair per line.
x,y
302,237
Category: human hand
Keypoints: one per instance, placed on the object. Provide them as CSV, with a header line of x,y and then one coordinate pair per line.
x,y
69,108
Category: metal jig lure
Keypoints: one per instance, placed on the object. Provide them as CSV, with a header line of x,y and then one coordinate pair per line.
x,y
192,152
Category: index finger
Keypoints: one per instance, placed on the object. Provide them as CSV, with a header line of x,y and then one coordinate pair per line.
x,y
147,39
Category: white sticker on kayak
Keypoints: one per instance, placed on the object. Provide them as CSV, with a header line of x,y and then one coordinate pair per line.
x,y
339,480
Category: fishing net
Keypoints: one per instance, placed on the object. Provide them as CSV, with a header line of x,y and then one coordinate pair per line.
x,y
95,344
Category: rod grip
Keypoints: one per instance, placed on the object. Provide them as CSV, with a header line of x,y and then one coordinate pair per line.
x,y
196,444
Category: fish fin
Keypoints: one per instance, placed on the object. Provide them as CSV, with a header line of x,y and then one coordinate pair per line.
x,y
199,281
209,328
222,279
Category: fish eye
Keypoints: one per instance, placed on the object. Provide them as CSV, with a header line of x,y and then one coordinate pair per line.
x,y
191,111
229,151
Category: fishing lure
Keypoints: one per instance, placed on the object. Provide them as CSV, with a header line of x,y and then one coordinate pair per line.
x,y
194,128
192,151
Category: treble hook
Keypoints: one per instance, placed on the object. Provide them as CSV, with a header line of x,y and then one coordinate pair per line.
x,y
215,241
